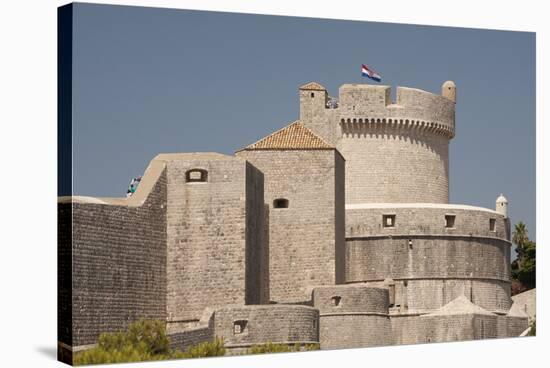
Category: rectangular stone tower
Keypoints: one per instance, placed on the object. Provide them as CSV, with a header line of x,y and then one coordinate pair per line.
x,y
304,190
214,234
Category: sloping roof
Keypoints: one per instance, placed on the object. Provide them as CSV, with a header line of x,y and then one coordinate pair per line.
x,y
313,86
460,305
292,137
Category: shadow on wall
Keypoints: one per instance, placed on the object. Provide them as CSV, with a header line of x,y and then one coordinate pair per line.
x,y
49,352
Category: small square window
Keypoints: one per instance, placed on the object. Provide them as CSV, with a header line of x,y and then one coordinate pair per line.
x,y
336,301
388,220
492,224
450,221
240,327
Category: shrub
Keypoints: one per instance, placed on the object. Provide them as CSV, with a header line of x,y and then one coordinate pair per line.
x,y
144,340
206,349
280,348
533,330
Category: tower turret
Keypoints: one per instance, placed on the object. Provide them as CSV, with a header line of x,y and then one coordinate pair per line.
x,y
502,205
313,101
448,90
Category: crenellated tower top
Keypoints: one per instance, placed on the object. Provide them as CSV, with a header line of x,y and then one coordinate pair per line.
x,y
395,151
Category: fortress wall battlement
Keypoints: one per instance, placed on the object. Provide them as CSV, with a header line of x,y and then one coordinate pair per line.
x,y
243,326
367,102
111,263
403,127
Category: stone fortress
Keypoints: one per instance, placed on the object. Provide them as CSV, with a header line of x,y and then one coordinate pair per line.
x,y
336,229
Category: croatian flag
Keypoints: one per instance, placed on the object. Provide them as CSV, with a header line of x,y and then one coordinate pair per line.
x,y
369,73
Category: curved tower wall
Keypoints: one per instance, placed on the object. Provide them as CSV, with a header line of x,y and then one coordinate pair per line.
x,y
352,316
431,260
395,152
242,327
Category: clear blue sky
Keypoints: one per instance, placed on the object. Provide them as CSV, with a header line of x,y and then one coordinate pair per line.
x,y
151,80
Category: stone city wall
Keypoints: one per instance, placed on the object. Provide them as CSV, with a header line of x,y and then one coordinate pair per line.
x,y
118,266
193,336
244,326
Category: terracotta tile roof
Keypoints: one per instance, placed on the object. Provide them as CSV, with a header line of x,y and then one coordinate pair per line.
x,y
313,86
292,137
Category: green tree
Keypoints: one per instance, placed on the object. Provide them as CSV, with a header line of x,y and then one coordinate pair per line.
x,y
524,267
520,238
144,340
206,349
281,348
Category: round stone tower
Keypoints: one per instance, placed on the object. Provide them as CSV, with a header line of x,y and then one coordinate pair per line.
x,y
396,152
399,223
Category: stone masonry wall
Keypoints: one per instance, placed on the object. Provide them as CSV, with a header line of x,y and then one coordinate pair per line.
x,y
527,303
257,253
118,264
373,101
207,236
185,339
394,165
395,152
423,219
64,273
340,221
430,264
433,257
454,327
285,324
317,117
352,316
306,242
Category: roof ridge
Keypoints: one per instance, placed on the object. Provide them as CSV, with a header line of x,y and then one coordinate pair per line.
x,y
272,134
293,136
313,85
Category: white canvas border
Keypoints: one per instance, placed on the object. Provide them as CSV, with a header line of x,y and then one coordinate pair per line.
x,y
27,183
